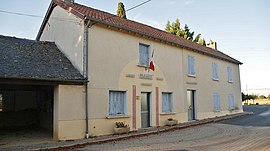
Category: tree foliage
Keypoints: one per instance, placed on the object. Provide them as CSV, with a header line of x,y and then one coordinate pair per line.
x,y
249,97
262,97
175,28
121,12
268,97
202,42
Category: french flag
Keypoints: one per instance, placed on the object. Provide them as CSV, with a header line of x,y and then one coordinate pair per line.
x,y
152,66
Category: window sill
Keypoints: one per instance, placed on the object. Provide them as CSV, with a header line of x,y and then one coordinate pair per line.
x,y
117,116
168,113
230,81
191,75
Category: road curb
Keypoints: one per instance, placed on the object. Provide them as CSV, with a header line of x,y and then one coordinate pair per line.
x,y
163,129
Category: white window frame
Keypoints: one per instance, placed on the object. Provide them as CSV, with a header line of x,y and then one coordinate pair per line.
x,y
169,105
143,62
230,77
215,71
111,111
191,66
230,102
216,98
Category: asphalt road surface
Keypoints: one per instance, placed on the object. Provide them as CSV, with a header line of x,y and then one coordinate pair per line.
x,y
247,133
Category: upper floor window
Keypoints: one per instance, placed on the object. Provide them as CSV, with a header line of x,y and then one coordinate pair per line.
x,y
167,102
231,101
216,102
117,100
144,55
191,65
229,70
215,71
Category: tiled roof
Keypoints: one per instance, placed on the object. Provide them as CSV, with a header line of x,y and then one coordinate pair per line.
x,y
34,60
102,17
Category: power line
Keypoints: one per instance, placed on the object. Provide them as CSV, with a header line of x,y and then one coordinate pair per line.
x,y
20,14
66,20
138,5
37,16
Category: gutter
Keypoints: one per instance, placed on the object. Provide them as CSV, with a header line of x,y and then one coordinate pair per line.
x,y
85,72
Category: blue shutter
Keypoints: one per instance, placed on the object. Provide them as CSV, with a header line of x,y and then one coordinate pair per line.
x,y
229,69
167,102
215,71
216,102
144,55
116,102
191,65
231,101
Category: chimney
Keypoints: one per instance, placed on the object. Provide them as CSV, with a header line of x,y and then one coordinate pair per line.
x,y
68,1
212,45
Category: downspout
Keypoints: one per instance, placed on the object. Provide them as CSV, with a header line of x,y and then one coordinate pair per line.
x,y
85,49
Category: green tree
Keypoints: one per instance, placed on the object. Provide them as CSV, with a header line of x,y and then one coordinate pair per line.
x,y
168,27
121,12
175,28
268,97
202,42
187,34
262,97
197,38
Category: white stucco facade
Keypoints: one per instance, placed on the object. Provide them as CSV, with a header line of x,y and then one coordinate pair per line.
x,y
113,66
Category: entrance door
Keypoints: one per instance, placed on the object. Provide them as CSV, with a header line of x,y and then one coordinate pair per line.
x,y
191,104
145,109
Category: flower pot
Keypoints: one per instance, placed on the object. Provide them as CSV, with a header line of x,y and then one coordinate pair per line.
x,y
121,130
171,123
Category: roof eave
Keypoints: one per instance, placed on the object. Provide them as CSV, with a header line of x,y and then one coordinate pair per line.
x,y
45,20
45,80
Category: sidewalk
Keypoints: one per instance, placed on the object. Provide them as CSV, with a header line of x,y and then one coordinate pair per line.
x,y
67,145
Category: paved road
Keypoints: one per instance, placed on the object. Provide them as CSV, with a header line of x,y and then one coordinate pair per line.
x,y
248,133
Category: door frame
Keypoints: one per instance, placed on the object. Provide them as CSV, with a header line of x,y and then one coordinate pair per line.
x,y
149,96
194,104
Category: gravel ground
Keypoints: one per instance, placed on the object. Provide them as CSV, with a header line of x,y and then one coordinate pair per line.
x,y
247,133
209,137
232,134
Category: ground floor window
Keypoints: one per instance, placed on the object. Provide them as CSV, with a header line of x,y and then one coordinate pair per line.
x,y
117,100
1,102
216,102
167,102
231,101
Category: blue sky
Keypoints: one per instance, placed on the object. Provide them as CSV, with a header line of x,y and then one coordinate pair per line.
x,y
240,27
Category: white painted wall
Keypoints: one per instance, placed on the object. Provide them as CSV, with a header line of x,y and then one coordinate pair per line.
x,y
66,31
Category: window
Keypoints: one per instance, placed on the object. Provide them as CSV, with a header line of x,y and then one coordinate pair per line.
x,y
216,102
191,65
144,55
117,100
231,101
167,104
1,102
229,70
215,71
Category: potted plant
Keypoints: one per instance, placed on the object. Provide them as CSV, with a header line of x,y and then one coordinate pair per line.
x,y
121,127
171,122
